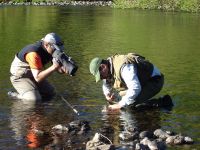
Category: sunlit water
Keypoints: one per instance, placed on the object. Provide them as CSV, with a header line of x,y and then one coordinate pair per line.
x,y
169,40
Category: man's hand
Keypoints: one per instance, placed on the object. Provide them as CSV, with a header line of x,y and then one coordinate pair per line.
x,y
109,110
63,70
111,98
115,107
56,64
58,67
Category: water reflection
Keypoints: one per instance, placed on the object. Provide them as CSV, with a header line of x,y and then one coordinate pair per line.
x,y
28,124
127,120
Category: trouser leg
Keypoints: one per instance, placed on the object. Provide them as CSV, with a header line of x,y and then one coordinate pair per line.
x,y
150,89
26,88
46,89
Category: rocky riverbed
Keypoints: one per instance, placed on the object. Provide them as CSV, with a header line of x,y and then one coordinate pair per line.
x,y
77,135
66,137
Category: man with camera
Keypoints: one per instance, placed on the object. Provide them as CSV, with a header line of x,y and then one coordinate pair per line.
x,y
28,75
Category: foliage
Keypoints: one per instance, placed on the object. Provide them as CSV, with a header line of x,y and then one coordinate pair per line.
x,y
168,5
19,1
191,5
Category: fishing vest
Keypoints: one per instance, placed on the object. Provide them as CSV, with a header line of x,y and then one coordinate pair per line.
x,y
144,69
39,49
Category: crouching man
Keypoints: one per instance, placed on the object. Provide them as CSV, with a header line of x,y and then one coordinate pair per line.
x,y
135,79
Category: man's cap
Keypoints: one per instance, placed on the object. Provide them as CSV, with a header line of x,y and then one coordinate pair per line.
x,y
55,40
94,67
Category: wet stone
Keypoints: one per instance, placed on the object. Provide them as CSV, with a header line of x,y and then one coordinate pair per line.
x,y
97,143
161,134
60,129
170,140
141,147
132,129
153,145
188,140
131,138
144,134
179,140
161,144
125,136
170,133
154,140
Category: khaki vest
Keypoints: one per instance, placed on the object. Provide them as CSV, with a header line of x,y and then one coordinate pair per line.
x,y
144,72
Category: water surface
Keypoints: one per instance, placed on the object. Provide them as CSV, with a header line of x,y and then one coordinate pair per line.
x,y
170,40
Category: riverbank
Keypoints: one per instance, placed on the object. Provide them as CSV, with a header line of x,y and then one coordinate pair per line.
x,y
61,3
169,5
175,5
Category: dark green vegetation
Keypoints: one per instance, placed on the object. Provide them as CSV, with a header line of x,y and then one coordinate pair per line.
x,y
166,5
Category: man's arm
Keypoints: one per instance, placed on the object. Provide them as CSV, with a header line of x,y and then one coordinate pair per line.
x,y
35,63
40,75
129,75
107,90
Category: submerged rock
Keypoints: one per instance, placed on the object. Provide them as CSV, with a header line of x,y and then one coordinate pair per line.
x,y
60,129
65,135
128,135
188,140
156,140
144,134
161,134
97,143
179,140
152,145
77,127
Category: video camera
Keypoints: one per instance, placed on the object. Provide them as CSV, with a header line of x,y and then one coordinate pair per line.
x,y
65,61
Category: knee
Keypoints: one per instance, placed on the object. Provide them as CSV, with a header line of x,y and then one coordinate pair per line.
x,y
31,95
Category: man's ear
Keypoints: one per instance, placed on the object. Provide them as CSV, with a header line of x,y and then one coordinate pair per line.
x,y
45,44
103,66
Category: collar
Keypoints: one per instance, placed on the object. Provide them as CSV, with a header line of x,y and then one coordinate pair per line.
x,y
110,65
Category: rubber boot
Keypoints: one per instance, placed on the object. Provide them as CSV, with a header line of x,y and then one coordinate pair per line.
x,y
164,101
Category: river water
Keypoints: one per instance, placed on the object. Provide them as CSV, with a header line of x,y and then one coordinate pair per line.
x,y
170,40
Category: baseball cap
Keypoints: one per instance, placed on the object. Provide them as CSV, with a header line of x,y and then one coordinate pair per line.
x,y
55,40
94,67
